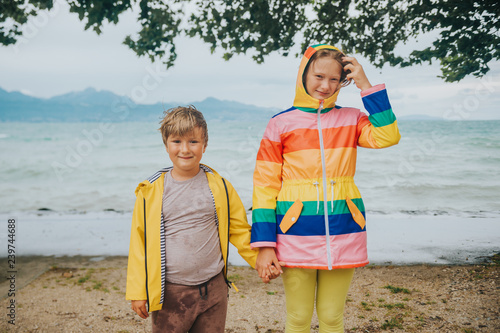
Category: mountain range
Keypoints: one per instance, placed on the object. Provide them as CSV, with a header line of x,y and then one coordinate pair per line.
x,y
92,105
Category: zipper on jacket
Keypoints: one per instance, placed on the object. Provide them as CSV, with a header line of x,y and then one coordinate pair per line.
x,y
229,283
325,197
146,255
332,182
228,224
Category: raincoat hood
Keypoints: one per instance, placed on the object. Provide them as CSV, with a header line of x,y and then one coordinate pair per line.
x,y
303,100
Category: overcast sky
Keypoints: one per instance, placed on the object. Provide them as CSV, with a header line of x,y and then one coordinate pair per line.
x,y
57,56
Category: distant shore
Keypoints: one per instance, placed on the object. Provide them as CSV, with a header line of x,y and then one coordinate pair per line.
x,y
79,293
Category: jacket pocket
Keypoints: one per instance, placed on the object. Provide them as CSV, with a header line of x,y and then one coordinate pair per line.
x,y
291,216
356,213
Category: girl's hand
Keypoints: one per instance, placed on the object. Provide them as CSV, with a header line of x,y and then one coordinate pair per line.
x,y
357,73
267,264
140,308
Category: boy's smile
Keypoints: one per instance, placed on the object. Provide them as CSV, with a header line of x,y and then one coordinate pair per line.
x,y
186,152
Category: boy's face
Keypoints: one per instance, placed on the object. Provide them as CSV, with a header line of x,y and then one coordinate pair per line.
x,y
323,78
186,152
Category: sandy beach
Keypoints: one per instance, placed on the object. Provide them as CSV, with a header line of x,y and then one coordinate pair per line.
x,y
87,294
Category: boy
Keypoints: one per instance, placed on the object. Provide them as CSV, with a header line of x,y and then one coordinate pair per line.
x,y
183,219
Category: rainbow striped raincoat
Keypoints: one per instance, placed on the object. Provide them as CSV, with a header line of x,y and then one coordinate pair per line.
x,y
305,202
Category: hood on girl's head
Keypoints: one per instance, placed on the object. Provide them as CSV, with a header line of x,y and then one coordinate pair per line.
x,y
302,99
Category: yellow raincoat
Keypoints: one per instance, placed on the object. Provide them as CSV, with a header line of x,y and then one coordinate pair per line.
x,y
146,260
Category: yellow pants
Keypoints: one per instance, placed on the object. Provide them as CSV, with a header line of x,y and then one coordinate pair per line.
x,y
329,288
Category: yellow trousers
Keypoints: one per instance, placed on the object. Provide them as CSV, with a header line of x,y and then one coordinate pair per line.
x,y
329,288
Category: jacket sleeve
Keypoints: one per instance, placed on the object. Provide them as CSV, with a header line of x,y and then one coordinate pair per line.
x,y
239,229
266,186
136,269
380,128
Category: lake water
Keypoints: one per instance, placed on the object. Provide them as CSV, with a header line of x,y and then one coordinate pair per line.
x,y
70,186
438,168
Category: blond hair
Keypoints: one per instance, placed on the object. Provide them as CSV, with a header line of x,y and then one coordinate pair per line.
x,y
182,120
332,54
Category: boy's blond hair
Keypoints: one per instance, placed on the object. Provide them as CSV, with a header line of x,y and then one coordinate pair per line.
x,y
182,120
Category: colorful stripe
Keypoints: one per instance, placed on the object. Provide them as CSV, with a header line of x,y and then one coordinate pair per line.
x,y
306,164
303,251
270,151
383,118
263,232
343,187
384,136
262,244
264,197
296,119
314,225
303,139
314,110
264,215
376,101
310,207
282,112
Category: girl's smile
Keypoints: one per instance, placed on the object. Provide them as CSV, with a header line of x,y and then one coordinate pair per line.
x,y
323,78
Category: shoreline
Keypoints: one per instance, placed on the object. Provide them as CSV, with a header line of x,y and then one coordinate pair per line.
x,y
392,239
87,293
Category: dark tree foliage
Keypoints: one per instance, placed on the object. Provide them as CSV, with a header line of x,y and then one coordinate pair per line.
x,y
14,14
467,31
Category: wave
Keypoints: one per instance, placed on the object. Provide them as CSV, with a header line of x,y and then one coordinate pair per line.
x,y
82,172
403,214
453,213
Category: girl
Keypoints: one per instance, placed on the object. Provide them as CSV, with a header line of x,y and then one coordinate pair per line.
x,y
307,212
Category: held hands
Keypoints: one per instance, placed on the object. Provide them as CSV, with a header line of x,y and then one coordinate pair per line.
x,y
267,264
140,308
357,73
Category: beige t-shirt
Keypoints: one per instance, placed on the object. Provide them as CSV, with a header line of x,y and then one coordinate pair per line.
x,y
193,253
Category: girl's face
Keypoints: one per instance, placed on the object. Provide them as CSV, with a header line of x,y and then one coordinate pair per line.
x,y
323,78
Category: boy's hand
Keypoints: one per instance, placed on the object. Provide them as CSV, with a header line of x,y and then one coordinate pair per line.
x,y
140,308
267,264
357,73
